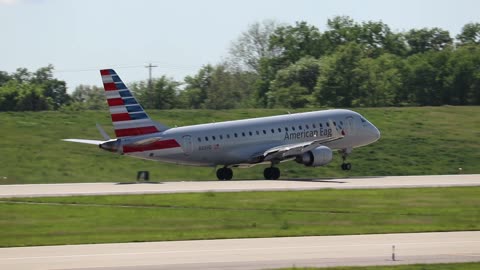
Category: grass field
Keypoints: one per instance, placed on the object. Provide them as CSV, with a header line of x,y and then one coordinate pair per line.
x,y
420,140
445,266
103,219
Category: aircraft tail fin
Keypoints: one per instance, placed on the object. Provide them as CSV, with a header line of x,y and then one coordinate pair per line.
x,y
128,116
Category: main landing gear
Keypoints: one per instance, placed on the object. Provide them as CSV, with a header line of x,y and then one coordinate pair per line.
x,y
271,173
345,166
224,173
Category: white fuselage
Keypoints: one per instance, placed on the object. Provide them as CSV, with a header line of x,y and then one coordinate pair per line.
x,y
236,142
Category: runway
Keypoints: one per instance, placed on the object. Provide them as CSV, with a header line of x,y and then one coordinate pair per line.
x,y
39,190
259,253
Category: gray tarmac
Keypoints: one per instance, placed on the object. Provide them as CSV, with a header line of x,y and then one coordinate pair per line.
x,y
42,190
259,253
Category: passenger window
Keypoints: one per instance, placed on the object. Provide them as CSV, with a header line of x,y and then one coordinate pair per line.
x,y
199,139
313,125
228,136
341,123
286,128
213,138
250,133
307,127
236,135
335,124
320,125
279,130
206,138
243,134
258,132
300,127
273,131
264,131
328,125
221,137
293,128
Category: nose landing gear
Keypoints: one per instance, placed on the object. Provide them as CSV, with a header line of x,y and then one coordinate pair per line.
x,y
345,165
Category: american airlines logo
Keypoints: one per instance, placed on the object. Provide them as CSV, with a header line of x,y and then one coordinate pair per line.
x,y
327,132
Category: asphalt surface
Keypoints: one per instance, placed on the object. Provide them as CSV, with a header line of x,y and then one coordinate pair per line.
x,y
39,190
259,253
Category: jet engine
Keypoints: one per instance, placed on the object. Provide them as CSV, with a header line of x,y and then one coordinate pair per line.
x,y
319,156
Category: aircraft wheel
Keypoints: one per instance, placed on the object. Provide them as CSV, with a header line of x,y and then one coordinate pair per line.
x,y
221,174
276,173
267,173
228,173
346,166
271,173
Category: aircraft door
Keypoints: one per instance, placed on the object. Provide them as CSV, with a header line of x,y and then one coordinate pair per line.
x,y
349,125
187,144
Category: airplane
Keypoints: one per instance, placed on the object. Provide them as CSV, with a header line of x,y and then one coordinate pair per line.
x,y
308,138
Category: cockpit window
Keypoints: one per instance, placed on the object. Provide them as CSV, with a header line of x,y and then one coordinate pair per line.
x,y
363,120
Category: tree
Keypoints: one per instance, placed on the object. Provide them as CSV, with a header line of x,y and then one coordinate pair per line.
x,y
380,80
252,45
427,77
341,30
31,98
470,34
464,76
52,88
290,43
16,96
423,40
377,39
293,85
196,87
162,95
89,97
22,75
4,78
336,84
295,42
293,96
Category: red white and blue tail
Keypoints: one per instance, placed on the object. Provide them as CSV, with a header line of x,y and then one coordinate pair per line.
x,y
128,116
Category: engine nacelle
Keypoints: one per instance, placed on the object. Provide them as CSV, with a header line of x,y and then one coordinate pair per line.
x,y
319,156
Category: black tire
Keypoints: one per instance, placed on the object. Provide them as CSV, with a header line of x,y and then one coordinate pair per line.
x,y
268,173
348,166
228,174
343,167
276,173
221,174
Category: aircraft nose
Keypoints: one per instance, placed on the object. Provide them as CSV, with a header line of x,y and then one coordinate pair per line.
x,y
375,133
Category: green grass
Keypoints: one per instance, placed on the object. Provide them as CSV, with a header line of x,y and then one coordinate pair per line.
x,y
442,266
103,219
419,140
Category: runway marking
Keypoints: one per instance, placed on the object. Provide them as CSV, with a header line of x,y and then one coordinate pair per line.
x,y
398,245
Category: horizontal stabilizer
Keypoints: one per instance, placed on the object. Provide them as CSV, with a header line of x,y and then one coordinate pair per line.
x,y
96,142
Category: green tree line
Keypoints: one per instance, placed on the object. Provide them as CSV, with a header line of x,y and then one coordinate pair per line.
x,y
349,64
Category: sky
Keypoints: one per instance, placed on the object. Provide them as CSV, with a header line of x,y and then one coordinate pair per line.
x,y
79,37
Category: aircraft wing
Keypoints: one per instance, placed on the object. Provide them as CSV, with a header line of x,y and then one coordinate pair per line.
x,y
288,150
96,142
